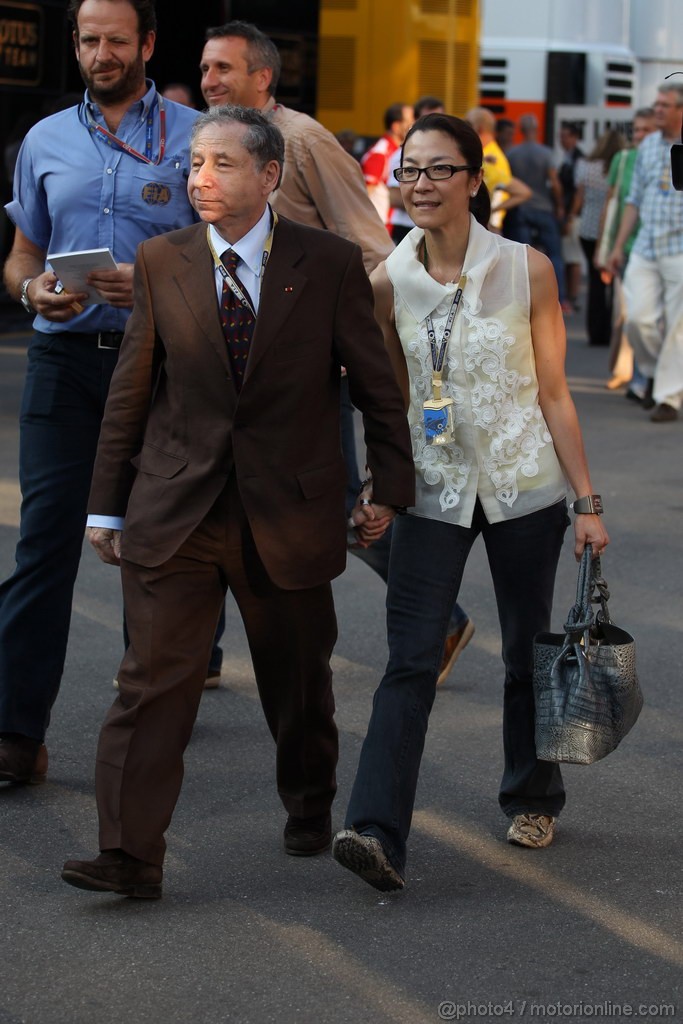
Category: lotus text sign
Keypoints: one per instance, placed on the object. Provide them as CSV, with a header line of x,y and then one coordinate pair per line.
x,y
21,44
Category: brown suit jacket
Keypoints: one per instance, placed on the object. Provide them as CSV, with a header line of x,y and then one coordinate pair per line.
x,y
174,427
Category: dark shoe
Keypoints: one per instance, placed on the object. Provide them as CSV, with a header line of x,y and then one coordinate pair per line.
x,y
365,857
648,401
453,648
213,679
115,871
663,413
304,837
22,760
633,396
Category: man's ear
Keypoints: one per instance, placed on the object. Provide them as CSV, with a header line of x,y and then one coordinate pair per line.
x,y
273,175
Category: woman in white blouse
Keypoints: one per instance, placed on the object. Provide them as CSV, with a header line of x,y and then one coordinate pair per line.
x,y
475,332
592,186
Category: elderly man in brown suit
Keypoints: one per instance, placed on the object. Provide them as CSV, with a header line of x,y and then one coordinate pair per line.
x,y
220,447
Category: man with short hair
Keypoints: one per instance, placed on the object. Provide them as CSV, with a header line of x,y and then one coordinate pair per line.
x,y
653,282
322,185
220,447
506,191
375,162
428,105
105,174
179,93
505,133
572,253
537,221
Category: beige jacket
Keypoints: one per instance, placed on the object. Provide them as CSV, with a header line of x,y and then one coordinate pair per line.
x,y
323,186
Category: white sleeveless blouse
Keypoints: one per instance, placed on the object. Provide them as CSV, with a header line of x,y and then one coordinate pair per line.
x,y
502,450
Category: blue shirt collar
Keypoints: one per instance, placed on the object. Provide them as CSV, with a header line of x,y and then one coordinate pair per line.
x,y
141,107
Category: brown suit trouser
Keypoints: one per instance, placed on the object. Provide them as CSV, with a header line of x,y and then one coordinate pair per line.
x,y
171,611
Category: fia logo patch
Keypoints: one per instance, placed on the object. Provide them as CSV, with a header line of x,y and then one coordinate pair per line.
x,y
155,193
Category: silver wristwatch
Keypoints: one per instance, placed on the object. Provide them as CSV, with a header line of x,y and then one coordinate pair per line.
x,y
590,505
23,295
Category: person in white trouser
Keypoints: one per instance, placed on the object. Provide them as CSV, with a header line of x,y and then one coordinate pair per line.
x,y
653,282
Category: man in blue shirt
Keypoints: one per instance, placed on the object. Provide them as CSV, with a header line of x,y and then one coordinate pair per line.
x,y
108,173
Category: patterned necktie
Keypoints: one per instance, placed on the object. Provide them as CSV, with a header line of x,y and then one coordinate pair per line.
x,y
237,321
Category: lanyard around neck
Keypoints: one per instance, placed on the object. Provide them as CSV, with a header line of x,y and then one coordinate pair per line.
x,y
439,353
439,349
228,278
145,157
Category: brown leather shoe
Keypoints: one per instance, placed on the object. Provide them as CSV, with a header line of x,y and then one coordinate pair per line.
x,y
663,413
304,837
23,760
453,648
115,871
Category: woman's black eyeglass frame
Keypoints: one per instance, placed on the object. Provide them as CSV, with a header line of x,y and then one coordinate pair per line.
x,y
400,172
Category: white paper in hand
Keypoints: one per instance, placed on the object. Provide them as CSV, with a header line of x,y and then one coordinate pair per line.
x,y
72,269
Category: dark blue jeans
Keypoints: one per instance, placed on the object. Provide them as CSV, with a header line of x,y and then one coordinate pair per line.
x,y
64,395
427,562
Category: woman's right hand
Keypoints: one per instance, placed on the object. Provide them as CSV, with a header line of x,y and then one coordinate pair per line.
x,y
588,529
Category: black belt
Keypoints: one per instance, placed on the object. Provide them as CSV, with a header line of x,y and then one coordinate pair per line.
x,y
102,339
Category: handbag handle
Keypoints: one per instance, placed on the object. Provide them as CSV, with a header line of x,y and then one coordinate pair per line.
x,y
581,619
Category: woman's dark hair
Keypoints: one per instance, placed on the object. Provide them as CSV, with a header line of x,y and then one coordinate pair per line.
x,y
469,144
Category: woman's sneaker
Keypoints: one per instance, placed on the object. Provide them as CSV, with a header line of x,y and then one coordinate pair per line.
x,y
365,857
533,830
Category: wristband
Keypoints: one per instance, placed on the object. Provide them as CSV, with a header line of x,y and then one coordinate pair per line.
x,y
591,505
23,296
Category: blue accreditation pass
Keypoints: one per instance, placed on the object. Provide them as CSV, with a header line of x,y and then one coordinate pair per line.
x,y
438,420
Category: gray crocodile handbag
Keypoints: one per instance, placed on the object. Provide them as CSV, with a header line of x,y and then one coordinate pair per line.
x,y
586,689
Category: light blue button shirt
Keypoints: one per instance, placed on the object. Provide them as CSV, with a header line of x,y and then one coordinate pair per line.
x,y
75,190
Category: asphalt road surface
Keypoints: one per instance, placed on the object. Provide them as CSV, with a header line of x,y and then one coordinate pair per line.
x,y
587,929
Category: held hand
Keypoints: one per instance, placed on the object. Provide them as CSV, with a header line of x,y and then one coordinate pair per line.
x,y
115,285
371,521
588,529
58,307
107,543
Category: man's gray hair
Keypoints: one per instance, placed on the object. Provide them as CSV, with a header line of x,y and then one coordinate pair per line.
x,y
676,87
261,51
262,140
528,123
